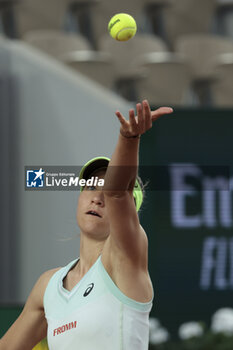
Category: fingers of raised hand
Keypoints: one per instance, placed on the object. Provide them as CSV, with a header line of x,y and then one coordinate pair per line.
x,y
137,125
127,126
133,122
147,115
140,118
160,112
140,123
144,117
122,120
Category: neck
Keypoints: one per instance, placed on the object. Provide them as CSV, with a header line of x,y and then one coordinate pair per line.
x,y
90,250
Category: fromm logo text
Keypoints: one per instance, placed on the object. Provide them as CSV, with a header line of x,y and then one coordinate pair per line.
x,y
64,328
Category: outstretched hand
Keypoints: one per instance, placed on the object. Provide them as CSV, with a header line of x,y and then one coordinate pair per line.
x,y
139,124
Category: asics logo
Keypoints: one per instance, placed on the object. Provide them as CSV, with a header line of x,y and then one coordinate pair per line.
x,y
88,290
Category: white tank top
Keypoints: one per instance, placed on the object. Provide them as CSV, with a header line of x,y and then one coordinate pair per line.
x,y
95,314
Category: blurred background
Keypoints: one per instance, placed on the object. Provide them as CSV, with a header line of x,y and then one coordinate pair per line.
x,y
61,79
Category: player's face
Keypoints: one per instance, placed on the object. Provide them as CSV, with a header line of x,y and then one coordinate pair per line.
x,y
92,216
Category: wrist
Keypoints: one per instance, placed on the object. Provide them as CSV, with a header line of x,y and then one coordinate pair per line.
x,y
130,137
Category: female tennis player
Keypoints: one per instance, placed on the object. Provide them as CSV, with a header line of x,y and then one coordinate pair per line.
x,y
102,299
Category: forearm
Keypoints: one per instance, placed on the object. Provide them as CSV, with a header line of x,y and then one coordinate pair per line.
x,y
123,166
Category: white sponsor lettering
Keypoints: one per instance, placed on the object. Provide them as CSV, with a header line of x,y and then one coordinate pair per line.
x,y
213,213
217,263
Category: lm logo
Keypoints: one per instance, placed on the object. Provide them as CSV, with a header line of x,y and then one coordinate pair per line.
x,y
35,178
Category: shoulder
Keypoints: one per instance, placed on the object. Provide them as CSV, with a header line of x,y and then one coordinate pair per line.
x,y
37,293
46,276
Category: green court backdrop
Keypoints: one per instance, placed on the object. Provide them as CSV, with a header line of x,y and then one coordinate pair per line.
x,y
187,158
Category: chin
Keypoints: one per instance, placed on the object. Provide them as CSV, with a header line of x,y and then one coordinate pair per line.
x,y
99,237
94,231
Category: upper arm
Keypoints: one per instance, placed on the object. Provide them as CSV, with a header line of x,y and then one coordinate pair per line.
x,y
127,237
31,325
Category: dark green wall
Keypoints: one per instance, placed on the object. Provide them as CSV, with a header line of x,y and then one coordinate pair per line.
x,y
179,254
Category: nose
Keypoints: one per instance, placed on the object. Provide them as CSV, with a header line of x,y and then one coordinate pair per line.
x,y
98,199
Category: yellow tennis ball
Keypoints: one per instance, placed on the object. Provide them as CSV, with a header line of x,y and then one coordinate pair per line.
x,y
122,27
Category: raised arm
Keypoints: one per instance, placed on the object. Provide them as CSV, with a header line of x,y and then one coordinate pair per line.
x,y
126,234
